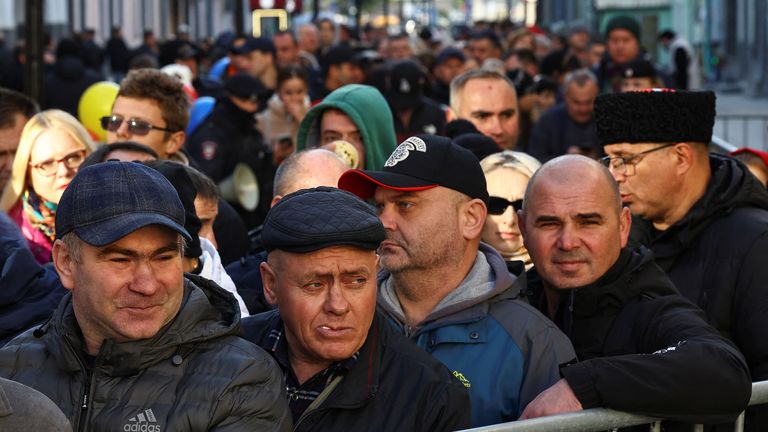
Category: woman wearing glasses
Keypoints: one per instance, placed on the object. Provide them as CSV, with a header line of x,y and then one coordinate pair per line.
x,y
53,144
507,174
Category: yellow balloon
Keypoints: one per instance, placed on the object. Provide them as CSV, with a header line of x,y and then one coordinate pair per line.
x,y
96,103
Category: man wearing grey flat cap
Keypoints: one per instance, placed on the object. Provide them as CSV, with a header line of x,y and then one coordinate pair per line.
x,y
346,369
135,346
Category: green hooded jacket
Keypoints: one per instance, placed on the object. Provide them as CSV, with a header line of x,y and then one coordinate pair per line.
x,y
368,109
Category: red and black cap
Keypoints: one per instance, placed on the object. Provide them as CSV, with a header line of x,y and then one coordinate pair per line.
x,y
419,163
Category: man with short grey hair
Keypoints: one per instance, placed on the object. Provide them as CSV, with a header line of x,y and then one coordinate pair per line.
x,y
136,345
303,170
487,99
569,127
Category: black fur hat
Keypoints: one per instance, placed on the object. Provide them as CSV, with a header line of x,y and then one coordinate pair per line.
x,y
655,116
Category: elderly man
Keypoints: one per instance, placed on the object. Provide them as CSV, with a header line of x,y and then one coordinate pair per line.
x,y
446,291
703,215
488,100
355,113
135,346
569,127
633,334
346,368
303,170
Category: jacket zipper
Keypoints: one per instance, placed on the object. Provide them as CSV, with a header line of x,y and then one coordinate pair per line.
x,y
82,425
84,405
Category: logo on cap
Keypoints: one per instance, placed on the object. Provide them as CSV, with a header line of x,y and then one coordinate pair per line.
x,y
405,86
404,150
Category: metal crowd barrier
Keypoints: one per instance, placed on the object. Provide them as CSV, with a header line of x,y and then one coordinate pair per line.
x,y
719,145
602,419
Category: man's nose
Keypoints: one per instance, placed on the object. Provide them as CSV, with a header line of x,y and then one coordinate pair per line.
x,y
336,303
568,239
144,280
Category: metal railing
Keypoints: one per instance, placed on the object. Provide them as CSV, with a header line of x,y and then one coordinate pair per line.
x,y
601,419
746,130
719,145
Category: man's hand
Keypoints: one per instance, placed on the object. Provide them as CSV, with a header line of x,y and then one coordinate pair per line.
x,y
557,399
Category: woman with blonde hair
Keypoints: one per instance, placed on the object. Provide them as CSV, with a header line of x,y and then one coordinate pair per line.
x,y
52,146
507,174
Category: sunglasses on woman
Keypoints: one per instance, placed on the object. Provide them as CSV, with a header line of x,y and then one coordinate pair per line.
x,y
498,205
135,126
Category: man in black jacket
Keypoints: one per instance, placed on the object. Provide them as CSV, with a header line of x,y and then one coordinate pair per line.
x,y
135,346
228,137
642,347
703,215
345,367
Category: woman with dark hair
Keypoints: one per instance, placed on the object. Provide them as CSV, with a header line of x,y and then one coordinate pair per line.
x,y
279,123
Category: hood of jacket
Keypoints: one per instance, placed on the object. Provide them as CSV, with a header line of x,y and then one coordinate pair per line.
x,y
206,312
730,187
506,286
368,110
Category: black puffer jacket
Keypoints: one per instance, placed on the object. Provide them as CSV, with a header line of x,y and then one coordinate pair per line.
x,y
716,256
645,349
393,386
195,374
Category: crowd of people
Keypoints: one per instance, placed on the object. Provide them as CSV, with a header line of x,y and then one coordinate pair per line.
x,y
425,234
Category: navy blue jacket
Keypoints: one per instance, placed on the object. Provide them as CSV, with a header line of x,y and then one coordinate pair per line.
x,y
30,292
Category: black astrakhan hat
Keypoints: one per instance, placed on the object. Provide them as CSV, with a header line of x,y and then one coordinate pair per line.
x,y
419,163
313,219
655,116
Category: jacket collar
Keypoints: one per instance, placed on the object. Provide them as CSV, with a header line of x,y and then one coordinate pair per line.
x,y
621,283
730,187
206,312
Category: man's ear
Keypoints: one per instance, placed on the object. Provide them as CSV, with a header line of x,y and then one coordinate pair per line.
x,y
685,157
64,264
625,224
474,213
269,281
521,222
175,142
450,115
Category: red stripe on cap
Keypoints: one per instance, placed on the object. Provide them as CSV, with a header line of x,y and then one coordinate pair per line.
x,y
364,186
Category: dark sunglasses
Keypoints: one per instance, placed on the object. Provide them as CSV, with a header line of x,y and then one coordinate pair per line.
x,y
498,205
135,126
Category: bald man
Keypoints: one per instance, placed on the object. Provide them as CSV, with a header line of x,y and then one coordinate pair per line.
x,y
633,333
303,170
307,169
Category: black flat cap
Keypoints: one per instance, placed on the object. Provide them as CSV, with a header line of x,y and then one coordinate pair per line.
x,y
313,219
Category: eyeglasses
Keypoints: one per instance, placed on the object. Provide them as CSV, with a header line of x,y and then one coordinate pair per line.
x,y
621,164
135,126
498,205
49,167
